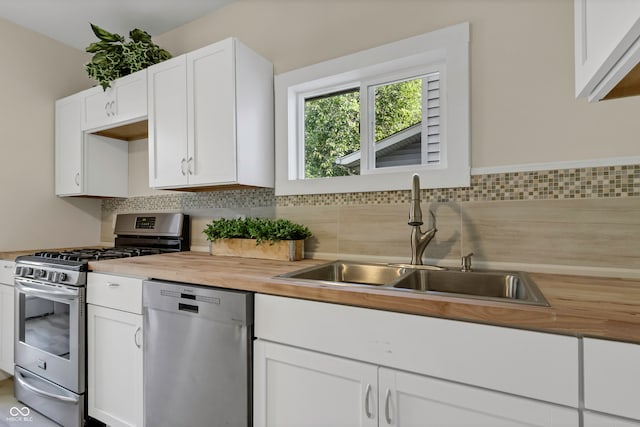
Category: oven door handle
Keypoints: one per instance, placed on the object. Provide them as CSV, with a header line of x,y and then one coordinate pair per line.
x,y
33,289
36,390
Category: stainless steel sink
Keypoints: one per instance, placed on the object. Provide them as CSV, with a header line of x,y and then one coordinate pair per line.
x,y
503,286
345,272
490,285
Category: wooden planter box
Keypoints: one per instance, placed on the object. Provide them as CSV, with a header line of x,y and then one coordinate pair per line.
x,y
284,250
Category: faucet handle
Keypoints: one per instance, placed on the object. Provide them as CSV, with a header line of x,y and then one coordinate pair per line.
x,y
466,262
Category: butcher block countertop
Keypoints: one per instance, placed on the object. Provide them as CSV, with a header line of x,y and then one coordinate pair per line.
x,y
580,306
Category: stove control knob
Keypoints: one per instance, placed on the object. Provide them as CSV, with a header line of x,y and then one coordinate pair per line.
x,y
18,272
38,274
28,271
62,277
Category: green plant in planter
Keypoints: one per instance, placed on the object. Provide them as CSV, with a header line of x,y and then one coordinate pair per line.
x,y
113,57
260,229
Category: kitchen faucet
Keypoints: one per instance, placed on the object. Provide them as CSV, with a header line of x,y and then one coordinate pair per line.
x,y
419,240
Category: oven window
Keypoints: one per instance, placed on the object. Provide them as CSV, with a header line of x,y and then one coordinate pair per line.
x,y
45,325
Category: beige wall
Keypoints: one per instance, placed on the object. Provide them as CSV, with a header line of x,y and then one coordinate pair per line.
x,y
35,72
523,108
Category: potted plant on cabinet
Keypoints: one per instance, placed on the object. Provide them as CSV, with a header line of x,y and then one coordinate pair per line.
x,y
278,239
114,57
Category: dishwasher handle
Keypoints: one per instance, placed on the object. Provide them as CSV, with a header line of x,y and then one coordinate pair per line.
x,y
188,307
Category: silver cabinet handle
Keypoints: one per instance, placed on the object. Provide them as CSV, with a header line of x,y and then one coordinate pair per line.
x,y
367,396
182,164
135,337
8,266
106,109
112,107
190,166
77,179
113,285
387,407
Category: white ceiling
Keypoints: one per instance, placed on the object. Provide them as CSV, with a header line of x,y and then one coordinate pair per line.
x,y
68,20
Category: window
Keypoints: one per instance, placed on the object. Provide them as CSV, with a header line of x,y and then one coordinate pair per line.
x,y
368,121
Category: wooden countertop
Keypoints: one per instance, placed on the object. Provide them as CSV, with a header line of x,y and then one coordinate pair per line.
x,y
580,306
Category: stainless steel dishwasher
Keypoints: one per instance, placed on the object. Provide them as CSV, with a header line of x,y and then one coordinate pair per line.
x,y
197,355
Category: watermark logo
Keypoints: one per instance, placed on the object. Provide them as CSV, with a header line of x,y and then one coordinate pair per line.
x,y
24,411
20,414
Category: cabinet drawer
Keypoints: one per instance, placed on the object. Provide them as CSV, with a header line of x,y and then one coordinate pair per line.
x,y
119,292
6,272
612,377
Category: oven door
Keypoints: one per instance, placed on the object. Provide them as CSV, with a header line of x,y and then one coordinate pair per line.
x,y
50,332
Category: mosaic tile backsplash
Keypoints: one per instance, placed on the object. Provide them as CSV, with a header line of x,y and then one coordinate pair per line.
x,y
249,198
583,183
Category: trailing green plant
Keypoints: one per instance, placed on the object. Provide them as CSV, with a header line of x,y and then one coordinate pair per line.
x,y
113,57
260,229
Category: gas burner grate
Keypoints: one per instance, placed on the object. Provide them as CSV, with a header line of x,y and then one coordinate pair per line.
x,y
82,255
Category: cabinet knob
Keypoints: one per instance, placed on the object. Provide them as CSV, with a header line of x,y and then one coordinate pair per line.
x,y
77,179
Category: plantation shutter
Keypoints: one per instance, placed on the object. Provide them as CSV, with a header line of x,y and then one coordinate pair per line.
x,y
431,132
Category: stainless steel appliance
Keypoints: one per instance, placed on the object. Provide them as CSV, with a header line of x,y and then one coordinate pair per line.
x,y
50,287
197,355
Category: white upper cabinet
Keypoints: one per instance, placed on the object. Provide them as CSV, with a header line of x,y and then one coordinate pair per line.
x,y
607,48
85,164
124,102
211,119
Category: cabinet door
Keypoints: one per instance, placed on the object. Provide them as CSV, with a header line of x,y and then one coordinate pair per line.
x,y
300,388
413,400
130,98
167,89
114,349
6,328
592,419
98,106
211,113
68,146
612,377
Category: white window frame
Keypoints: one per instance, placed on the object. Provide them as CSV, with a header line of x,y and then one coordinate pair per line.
x,y
446,49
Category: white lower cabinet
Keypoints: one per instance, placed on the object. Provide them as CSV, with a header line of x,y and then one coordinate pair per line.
x,y
114,350
6,328
301,388
6,316
319,364
611,381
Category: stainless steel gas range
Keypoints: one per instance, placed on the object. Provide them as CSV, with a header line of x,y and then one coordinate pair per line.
x,y
50,289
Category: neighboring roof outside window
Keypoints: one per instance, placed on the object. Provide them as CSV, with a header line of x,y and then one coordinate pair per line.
x,y
408,138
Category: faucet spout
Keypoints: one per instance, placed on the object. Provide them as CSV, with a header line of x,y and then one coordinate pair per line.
x,y
415,213
419,239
